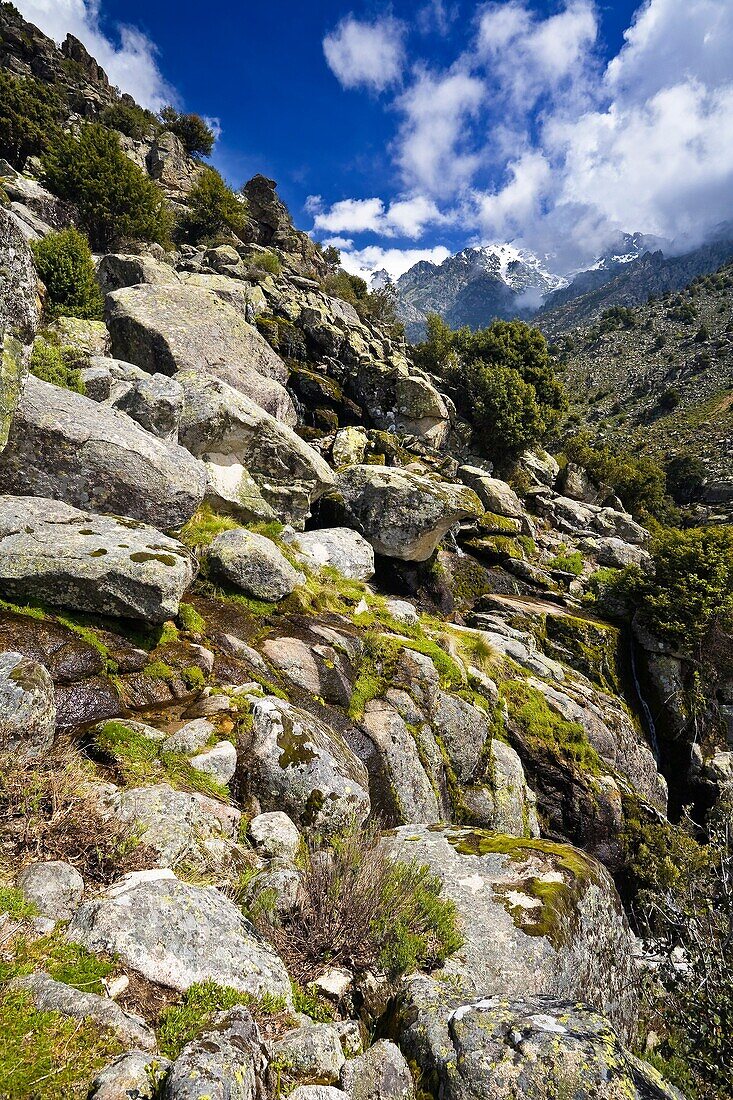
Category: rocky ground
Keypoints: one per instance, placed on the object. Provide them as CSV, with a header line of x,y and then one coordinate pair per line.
x,y
269,627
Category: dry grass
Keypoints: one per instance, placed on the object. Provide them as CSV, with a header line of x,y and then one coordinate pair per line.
x,y
47,812
360,909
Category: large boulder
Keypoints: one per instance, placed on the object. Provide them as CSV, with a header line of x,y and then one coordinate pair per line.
x,y
298,764
339,548
520,1048
117,270
254,564
53,886
153,400
170,328
133,1076
69,558
538,919
19,316
169,164
381,1073
403,515
27,707
232,434
176,934
63,445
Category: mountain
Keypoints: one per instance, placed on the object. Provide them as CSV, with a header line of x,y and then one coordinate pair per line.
x,y
660,376
615,282
474,287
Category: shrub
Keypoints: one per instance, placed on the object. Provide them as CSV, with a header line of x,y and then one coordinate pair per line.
x,y
64,264
30,116
639,480
503,381
182,1022
670,399
360,909
689,587
379,306
212,207
129,119
269,262
196,136
685,477
57,365
114,197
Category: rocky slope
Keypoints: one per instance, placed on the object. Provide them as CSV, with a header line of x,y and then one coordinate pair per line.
x,y
259,598
661,377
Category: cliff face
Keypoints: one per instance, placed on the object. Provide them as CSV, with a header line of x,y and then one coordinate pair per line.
x,y
291,687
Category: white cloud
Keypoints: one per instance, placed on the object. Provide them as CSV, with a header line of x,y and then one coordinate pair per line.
x,y
396,261
528,57
370,55
504,213
434,146
214,125
130,63
403,218
337,242
437,15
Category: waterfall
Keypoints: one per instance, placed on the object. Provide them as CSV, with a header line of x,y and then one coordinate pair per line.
x,y
648,719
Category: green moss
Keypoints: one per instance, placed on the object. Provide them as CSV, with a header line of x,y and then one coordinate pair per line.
x,y
567,563
159,670
14,904
310,1004
536,720
493,524
63,960
182,1022
377,667
204,526
591,647
190,619
56,365
141,760
47,1056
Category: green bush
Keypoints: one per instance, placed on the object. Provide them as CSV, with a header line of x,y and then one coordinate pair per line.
x,y
129,119
689,587
64,264
269,262
503,381
115,199
212,207
378,306
197,137
639,480
57,365
30,116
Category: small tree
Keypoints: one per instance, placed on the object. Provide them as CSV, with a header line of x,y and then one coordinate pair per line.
x,y
197,137
114,197
129,119
30,115
212,207
64,264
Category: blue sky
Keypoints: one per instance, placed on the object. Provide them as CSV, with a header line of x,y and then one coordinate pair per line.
x,y
409,129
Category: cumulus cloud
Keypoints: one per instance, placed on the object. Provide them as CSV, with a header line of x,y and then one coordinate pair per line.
x,y
435,148
527,135
396,261
368,55
402,218
130,61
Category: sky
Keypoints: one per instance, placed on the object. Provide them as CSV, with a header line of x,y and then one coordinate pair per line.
x,y
408,130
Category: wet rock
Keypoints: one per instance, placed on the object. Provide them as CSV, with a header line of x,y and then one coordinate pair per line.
x,y
51,996
503,1048
537,918
403,515
60,555
298,764
63,445
54,887
254,564
86,701
27,707
176,934
63,653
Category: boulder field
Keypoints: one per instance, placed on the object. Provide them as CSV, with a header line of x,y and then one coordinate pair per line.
x,y
275,640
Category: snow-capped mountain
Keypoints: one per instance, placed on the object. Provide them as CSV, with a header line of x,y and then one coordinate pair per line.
x,y
475,286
